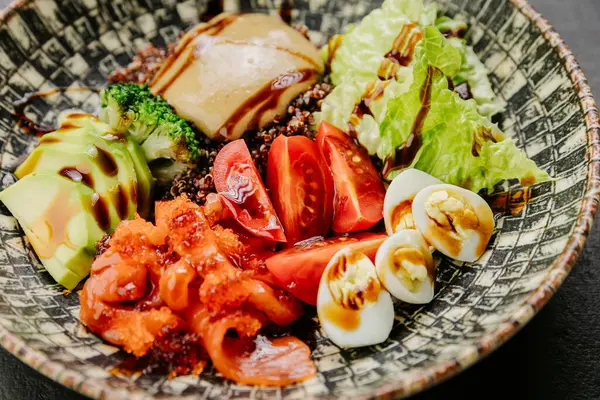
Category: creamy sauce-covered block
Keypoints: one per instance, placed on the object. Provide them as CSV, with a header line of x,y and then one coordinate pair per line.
x,y
237,72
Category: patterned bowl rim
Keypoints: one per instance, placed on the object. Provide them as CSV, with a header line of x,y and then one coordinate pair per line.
x,y
468,356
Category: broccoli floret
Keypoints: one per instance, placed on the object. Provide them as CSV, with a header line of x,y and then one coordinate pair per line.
x,y
168,141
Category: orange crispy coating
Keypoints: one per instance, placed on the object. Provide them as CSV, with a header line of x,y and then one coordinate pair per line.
x,y
181,275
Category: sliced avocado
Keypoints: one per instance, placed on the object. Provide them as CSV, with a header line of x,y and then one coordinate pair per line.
x,y
146,181
108,152
73,161
60,218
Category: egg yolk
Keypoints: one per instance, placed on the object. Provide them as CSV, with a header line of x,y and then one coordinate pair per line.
x,y
352,283
410,266
452,213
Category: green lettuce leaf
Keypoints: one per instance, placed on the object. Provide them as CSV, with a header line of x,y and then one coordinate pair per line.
x,y
363,49
472,70
337,108
358,60
451,140
451,27
475,73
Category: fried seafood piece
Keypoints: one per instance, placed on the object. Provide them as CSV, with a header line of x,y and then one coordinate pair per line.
x,y
174,285
251,359
224,285
103,311
163,287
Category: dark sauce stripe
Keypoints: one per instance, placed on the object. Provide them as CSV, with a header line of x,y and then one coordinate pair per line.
x,y
27,124
374,91
405,154
106,162
122,202
100,210
265,98
190,58
76,175
404,44
211,28
480,136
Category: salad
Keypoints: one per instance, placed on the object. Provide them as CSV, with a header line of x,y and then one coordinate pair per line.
x,y
241,178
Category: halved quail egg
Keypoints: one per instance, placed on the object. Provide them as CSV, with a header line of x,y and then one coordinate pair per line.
x,y
405,267
353,308
456,221
398,200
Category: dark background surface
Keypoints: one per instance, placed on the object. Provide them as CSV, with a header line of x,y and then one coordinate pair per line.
x,y
556,356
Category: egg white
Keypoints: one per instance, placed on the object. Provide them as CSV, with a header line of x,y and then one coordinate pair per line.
x,y
376,318
404,187
423,291
470,248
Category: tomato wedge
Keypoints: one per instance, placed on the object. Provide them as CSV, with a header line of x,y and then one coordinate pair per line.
x,y
299,268
301,187
359,192
243,193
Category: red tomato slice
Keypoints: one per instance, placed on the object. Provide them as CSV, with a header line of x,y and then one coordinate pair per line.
x,y
299,268
301,187
359,192
243,193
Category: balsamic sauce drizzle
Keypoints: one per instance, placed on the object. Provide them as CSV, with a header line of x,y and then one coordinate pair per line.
x,y
405,154
285,11
31,127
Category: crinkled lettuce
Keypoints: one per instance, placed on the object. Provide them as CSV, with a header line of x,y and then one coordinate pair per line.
x,y
357,61
362,51
363,48
474,72
458,145
451,27
337,108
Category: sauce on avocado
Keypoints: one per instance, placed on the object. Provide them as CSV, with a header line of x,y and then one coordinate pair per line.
x,y
100,211
75,174
54,220
122,201
105,160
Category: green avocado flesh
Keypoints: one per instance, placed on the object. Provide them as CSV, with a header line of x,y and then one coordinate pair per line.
x,y
117,153
109,156
145,180
58,216
78,184
75,162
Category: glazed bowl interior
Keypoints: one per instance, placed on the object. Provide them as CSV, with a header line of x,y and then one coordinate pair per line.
x,y
61,43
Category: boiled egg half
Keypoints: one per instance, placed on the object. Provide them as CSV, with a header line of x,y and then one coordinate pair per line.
x,y
353,308
405,267
397,205
456,221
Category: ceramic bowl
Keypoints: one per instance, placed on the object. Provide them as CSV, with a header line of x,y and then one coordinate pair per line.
x,y
551,114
